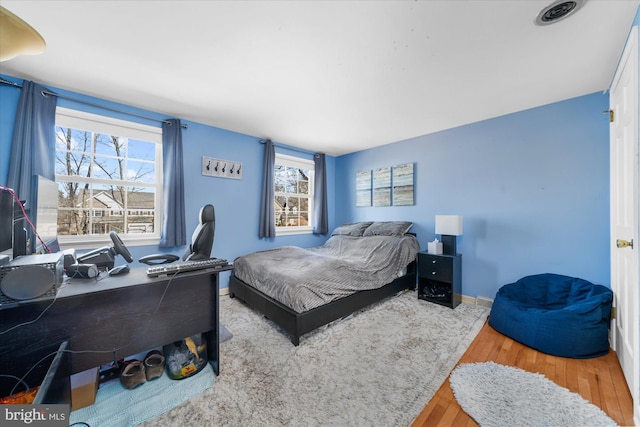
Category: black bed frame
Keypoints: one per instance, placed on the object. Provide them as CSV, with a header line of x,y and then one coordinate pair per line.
x,y
297,324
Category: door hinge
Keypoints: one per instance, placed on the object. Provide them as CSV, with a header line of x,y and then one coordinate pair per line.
x,y
614,312
611,115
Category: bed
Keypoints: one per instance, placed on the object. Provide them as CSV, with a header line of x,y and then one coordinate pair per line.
x,y
301,289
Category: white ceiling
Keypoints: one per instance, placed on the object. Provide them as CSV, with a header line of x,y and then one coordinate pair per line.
x,y
332,76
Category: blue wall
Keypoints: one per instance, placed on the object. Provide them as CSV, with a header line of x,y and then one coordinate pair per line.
x,y
533,187
236,201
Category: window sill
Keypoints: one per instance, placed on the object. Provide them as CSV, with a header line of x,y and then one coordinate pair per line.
x,y
92,242
290,231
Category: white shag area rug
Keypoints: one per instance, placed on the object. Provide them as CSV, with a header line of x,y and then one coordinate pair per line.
x,y
116,406
498,395
378,367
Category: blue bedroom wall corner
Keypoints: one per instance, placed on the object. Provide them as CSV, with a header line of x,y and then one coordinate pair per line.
x,y
533,187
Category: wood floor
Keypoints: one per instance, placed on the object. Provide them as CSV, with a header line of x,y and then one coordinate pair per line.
x,y
599,380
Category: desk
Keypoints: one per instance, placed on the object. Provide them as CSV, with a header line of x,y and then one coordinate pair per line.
x,y
112,318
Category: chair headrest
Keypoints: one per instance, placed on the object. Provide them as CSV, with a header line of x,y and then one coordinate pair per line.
x,y
207,214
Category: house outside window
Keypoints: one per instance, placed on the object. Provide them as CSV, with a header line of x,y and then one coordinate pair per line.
x,y
293,181
109,175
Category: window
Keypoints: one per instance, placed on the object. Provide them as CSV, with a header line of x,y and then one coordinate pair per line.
x,y
109,174
293,181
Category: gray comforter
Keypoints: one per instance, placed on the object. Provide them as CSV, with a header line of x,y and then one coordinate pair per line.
x,y
303,279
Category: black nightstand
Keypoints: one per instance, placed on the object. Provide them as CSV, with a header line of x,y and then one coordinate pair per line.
x,y
439,278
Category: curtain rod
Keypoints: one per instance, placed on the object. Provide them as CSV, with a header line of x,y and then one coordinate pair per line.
x,y
286,147
48,93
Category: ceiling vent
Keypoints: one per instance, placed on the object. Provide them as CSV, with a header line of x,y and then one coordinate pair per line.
x,y
558,10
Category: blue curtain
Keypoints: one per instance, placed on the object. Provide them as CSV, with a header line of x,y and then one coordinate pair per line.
x,y
267,214
173,231
33,147
320,215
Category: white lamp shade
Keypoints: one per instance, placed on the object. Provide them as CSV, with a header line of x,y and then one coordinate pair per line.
x,y
450,225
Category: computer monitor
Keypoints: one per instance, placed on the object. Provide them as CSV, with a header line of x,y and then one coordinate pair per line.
x,y
6,222
13,234
45,217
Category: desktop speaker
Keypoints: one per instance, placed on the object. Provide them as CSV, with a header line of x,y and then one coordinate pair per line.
x,y
33,279
27,282
69,257
82,271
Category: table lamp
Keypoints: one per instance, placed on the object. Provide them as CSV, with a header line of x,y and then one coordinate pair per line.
x,y
449,226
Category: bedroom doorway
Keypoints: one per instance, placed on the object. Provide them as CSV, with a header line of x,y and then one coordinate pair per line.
x,y
623,104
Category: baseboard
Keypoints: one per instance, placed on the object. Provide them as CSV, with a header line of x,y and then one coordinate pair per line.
x,y
224,291
468,300
484,302
479,301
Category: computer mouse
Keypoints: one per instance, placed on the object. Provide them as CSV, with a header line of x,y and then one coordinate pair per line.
x,y
120,269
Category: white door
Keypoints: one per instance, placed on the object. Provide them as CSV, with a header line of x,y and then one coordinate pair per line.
x,y
624,216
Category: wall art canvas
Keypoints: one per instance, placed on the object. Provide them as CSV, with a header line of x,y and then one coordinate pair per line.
x,y
403,185
382,187
363,188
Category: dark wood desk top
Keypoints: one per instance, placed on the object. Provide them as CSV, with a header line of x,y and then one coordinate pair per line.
x,y
136,277
103,282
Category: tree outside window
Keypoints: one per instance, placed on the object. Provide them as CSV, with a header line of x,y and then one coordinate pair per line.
x,y
108,174
293,181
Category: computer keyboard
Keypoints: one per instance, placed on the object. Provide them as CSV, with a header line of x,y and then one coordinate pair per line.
x,y
186,266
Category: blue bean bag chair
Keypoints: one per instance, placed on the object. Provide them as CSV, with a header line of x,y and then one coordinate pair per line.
x,y
558,315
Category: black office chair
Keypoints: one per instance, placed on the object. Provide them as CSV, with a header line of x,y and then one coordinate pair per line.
x,y
201,241
202,237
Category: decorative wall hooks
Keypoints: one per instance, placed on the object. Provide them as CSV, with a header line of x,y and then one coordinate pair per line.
x,y
221,168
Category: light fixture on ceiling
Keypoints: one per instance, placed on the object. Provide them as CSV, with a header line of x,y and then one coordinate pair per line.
x,y
17,37
558,10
